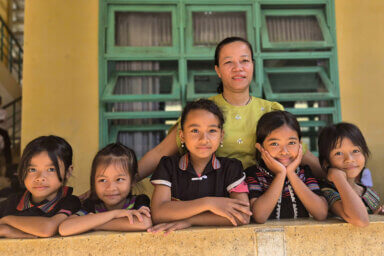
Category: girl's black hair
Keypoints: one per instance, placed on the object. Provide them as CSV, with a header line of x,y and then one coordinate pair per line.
x,y
204,104
271,121
57,148
331,136
220,45
118,155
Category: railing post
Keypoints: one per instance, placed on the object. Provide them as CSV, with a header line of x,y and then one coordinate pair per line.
x,y
14,124
2,41
10,54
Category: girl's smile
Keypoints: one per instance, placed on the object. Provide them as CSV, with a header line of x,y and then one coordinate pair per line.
x,y
201,133
348,158
283,144
112,186
41,179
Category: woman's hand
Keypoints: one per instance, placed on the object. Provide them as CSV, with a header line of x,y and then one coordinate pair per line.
x,y
229,208
169,227
272,164
291,168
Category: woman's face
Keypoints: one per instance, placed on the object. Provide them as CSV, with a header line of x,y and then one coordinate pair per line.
x,y
235,67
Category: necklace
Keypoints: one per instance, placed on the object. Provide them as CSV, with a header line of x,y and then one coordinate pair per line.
x,y
249,99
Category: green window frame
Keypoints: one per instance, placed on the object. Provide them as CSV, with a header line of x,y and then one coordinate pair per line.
x,y
318,14
186,58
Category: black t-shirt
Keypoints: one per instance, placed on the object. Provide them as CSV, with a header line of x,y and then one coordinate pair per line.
x,y
21,204
133,202
219,177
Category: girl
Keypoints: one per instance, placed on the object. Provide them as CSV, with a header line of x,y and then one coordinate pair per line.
x,y
45,166
278,186
193,189
343,153
111,205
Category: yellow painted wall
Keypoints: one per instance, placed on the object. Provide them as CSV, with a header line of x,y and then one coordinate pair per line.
x,y
360,38
4,7
60,91
60,87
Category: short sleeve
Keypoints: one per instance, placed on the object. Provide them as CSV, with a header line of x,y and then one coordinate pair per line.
x,y
254,185
276,106
311,181
162,174
69,205
331,195
141,200
234,175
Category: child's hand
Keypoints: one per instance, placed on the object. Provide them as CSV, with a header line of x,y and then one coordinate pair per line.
x,y
334,173
128,214
229,208
295,163
169,227
379,211
11,232
144,210
271,163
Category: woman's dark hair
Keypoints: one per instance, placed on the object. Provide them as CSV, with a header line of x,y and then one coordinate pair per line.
x,y
113,154
57,148
331,136
220,45
271,121
204,104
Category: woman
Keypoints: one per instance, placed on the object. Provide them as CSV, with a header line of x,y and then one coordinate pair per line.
x,y
234,65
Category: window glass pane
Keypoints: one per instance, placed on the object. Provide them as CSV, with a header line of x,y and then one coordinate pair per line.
x,y
209,28
206,84
143,29
296,82
293,29
141,142
143,85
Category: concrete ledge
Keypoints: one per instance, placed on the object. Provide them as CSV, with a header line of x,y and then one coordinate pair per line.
x,y
300,237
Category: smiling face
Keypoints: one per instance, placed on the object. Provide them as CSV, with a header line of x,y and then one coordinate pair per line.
x,y
201,133
348,158
41,179
235,67
112,185
283,144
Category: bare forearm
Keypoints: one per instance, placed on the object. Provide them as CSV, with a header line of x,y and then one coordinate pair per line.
x,y
80,224
209,219
11,232
177,210
264,205
122,224
352,206
38,226
316,205
148,163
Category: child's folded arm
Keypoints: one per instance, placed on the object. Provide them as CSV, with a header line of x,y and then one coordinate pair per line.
x,y
263,206
35,225
165,210
11,232
141,220
351,208
316,205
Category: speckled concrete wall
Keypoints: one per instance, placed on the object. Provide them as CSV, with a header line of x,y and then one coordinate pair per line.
x,y
300,237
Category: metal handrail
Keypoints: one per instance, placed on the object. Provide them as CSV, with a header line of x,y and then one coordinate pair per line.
x,y
10,49
16,121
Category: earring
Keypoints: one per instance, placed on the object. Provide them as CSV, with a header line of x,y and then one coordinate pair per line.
x,y
182,144
221,144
